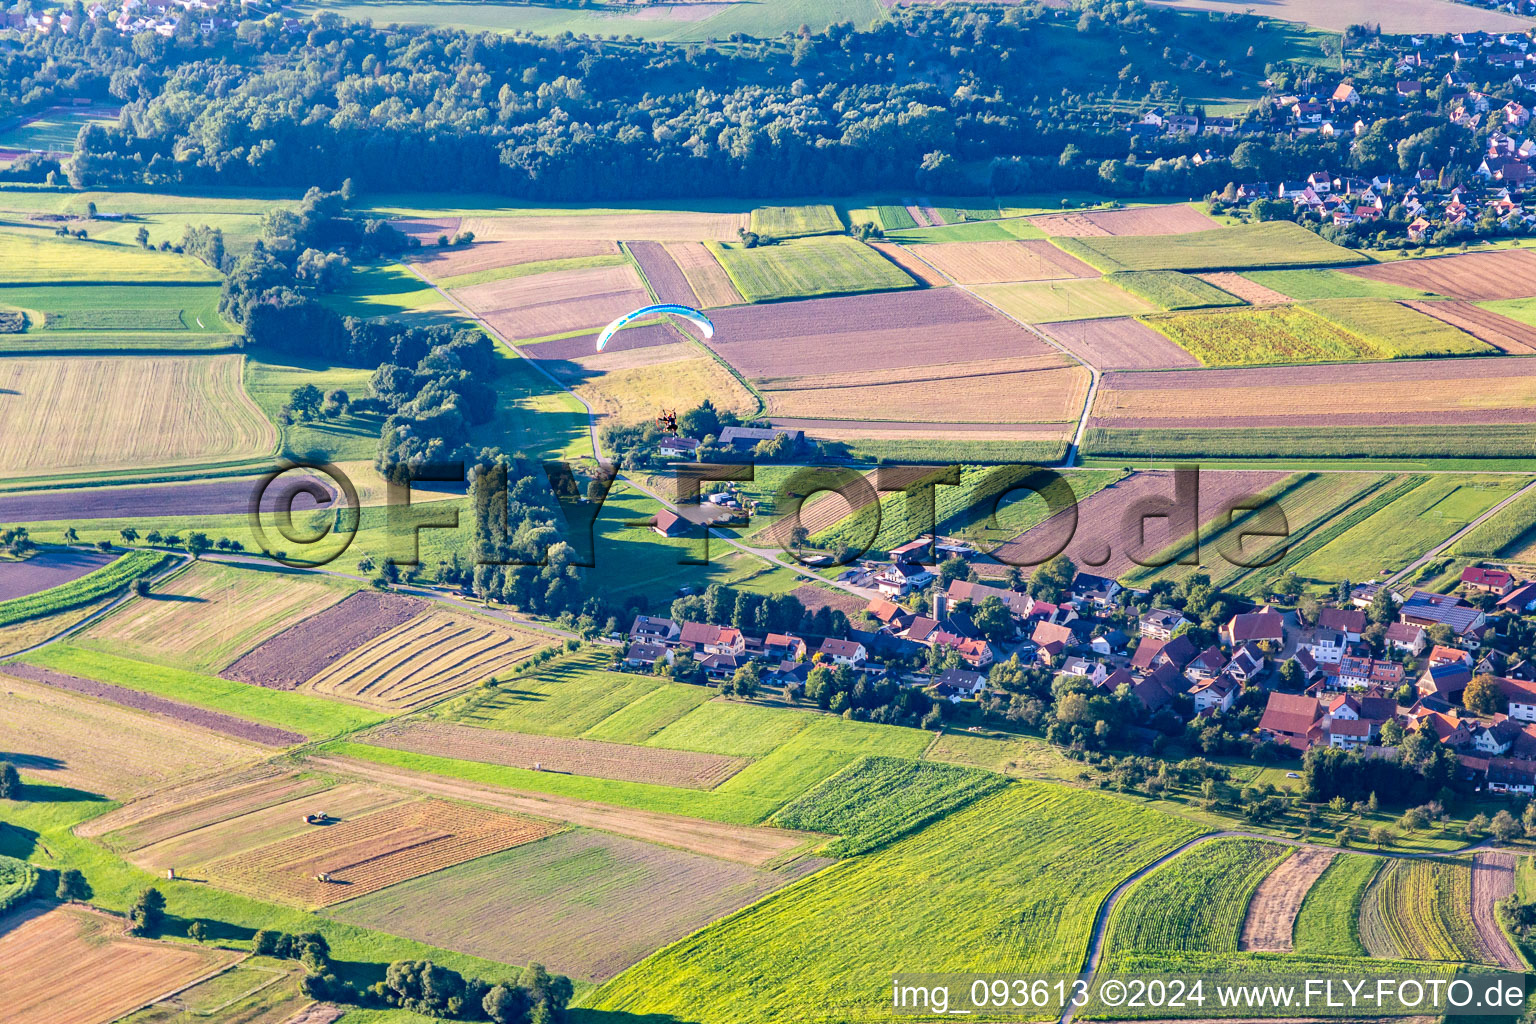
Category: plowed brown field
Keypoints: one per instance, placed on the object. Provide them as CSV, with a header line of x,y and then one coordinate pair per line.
x,y
1503,333
557,302
705,275
1478,276
440,263
1119,343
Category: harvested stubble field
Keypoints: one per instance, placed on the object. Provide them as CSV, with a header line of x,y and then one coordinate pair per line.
x,y
1273,334
1396,330
1151,220
28,633
1477,277
1503,333
1002,262
247,825
747,844
482,256
1074,299
1052,436
1272,244
71,965
1119,343
304,650
1196,902
1100,540
1277,900
424,660
61,739
662,226
706,277
427,229
804,267
1422,910
1438,391
588,904
203,618
561,754
175,710
663,274
255,991
629,385
910,262
47,569
1042,395
1245,288
566,300
68,414
182,808
368,853
867,332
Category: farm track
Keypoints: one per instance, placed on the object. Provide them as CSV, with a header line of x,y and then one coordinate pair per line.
x,y
1446,544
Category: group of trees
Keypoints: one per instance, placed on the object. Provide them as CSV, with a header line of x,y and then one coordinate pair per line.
x,y
856,695
760,614
1424,770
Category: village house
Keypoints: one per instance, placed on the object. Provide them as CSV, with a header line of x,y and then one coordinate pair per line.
x,y
711,639
1215,694
1292,719
1097,591
1406,638
1152,654
1256,627
1160,623
1490,581
1327,646
956,684
1509,776
901,578
1349,621
643,654
1206,665
651,628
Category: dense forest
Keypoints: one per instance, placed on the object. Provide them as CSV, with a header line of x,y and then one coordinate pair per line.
x,y
963,100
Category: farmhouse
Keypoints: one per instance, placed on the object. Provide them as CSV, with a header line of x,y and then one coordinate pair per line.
x,y
745,439
1292,719
1265,624
964,590
1489,581
670,524
650,627
646,655
843,652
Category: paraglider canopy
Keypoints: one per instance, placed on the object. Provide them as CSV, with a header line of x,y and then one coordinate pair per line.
x,y
686,312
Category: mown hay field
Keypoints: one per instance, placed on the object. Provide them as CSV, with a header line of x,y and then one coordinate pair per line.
x,y
660,767
367,853
1196,902
606,225
106,413
1170,289
1002,262
806,267
566,697
794,221
705,275
1329,919
1396,330
207,616
1272,244
1047,301
588,904
1277,900
287,659
1304,285
260,990
1422,910
72,965
424,660
567,300
481,277
189,806
38,258
1027,869
1479,276
58,739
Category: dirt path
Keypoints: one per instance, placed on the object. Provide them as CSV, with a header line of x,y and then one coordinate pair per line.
x,y
1493,878
747,844
1272,913
1446,544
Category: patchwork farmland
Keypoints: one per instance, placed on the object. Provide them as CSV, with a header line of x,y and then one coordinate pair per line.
x,y
1175,219
1473,276
304,650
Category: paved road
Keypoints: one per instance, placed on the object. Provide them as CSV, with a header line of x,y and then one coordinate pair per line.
x,y
102,611
1446,544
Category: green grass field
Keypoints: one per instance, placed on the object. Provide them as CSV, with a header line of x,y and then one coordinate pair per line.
x,y
895,218
1258,337
270,379
1396,331
78,308
1421,910
877,800
796,221
1329,919
973,231
735,730
1275,244
392,290
569,697
54,130
1523,310
38,258
93,586
1194,903
806,267
1505,535
1306,285
1169,289
1024,870
1416,443
1038,302
529,269
1408,527
649,714
313,716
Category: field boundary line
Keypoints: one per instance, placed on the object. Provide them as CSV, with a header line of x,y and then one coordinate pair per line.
x,y
1440,549
100,613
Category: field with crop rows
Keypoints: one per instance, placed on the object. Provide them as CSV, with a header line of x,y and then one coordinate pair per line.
x,y
1504,333
1320,283
45,260
895,218
60,739
794,221
1329,920
1047,301
72,965
61,415
688,770
566,697
1506,535
666,279
1273,244
1421,910
304,649
1196,902
1000,262
807,267
704,274
208,615
877,800
1497,440
1175,219
174,810
1026,869
1272,912
1397,331
1170,289
43,590
1480,276
368,853
260,990
424,660
588,904
567,300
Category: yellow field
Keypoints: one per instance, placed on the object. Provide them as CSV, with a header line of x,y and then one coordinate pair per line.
x,y
705,275
105,413
59,739
435,654
632,386
680,226
40,258
1052,301
70,965
206,617
31,632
